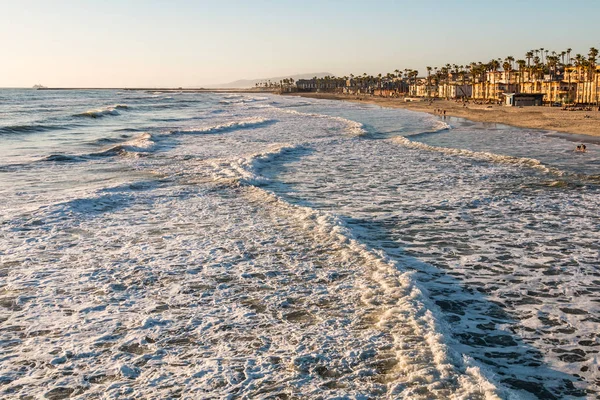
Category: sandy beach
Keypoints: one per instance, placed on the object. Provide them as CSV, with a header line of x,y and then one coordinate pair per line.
x,y
545,118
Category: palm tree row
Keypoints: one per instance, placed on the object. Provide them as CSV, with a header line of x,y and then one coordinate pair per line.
x,y
534,73
283,83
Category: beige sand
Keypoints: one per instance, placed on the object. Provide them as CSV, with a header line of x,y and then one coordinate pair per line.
x,y
545,118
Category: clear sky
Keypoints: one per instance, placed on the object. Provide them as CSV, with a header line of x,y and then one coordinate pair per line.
x,y
129,43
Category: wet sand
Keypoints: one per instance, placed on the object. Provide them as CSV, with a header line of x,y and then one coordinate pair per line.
x,y
545,118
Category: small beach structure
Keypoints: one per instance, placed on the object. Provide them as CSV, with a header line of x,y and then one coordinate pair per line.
x,y
524,99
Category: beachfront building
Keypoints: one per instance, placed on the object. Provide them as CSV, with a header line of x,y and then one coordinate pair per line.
x,y
570,84
557,90
326,84
453,83
586,80
493,84
306,85
455,90
491,91
523,99
587,92
390,86
553,87
422,87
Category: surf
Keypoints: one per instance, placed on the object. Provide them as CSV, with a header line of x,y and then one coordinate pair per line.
x,y
478,155
102,112
246,123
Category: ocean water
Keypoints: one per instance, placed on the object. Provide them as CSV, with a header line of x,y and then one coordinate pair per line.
x,y
181,245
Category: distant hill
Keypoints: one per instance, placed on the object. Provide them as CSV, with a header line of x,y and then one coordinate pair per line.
x,y
250,83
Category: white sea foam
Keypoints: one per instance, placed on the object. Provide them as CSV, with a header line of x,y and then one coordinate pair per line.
x,y
353,127
228,126
399,308
240,100
397,304
274,262
139,144
102,112
441,126
246,170
480,155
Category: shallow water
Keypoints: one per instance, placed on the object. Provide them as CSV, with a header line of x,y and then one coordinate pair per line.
x,y
202,245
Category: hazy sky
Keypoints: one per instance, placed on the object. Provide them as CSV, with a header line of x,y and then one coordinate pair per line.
x,y
129,43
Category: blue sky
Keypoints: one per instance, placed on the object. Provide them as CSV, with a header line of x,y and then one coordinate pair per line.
x,y
190,43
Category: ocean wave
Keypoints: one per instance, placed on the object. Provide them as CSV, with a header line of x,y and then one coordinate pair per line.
x,y
230,101
241,99
109,140
62,158
127,130
354,128
176,104
422,345
103,112
438,127
479,155
246,170
140,144
16,129
228,126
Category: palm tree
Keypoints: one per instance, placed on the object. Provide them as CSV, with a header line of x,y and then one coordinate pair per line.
x,y
552,63
507,67
428,80
538,71
521,64
474,76
579,63
529,56
592,55
493,66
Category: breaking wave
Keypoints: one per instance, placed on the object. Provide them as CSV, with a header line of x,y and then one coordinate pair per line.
x,y
479,155
62,158
103,112
237,99
229,126
352,127
438,127
423,353
245,170
140,144
16,129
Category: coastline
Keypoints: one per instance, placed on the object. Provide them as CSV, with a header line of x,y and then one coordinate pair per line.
x,y
163,90
543,118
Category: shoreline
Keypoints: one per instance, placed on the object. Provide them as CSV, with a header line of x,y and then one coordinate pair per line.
x,y
165,90
552,119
